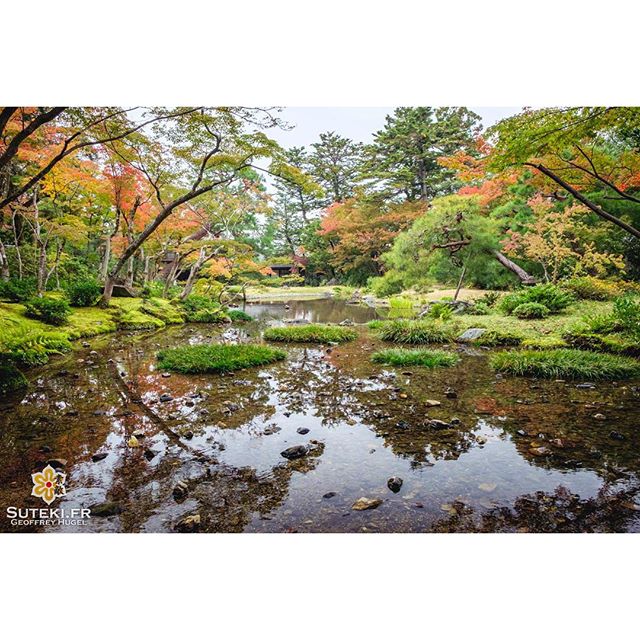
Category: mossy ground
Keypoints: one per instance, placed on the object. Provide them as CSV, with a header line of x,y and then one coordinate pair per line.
x,y
217,358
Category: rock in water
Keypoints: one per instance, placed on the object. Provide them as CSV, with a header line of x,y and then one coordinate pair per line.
x,y
302,430
96,457
188,524
616,435
180,490
329,495
439,424
166,397
297,451
362,504
449,392
471,334
106,509
394,484
432,403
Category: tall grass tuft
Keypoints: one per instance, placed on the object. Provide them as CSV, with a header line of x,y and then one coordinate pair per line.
x,y
217,358
566,363
417,331
415,357
310,333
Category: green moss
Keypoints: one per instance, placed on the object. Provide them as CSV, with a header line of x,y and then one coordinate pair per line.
x,y
85,322
499,338
565,364
417,331
311,333
217,358
415,357
544,342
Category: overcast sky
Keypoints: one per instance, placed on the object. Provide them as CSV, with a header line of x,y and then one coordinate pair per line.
x,y
357,123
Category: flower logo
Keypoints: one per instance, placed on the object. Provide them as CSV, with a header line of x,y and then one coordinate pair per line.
x,y
48,484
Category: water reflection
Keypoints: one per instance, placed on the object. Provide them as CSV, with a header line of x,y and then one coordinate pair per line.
x,y
508,454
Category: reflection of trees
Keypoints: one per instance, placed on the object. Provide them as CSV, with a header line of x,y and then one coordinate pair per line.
x,y
558,512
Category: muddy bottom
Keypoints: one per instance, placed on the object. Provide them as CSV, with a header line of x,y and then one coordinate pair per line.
x,y
511,454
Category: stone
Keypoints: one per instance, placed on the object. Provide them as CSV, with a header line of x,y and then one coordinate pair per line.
x,y
346,323
150,454
439,424
302,430
180,490
96,457
57,463
616,435
432,403
106,509
45,449
449,392
295,452
394,484
188,524
599,416
586,385
488,487
362,504
166,375
166,397
329,495
471,334
188,435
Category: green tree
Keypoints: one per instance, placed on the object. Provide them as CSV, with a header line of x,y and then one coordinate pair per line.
x,y
403,158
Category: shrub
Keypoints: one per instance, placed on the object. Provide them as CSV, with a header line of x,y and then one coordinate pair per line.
x,y
531,311
489,298
53,311
217,358
626,311
590,288
17,290
417,331
202,309
565,363
551,296
239,316
479,308
84,293
440,311
415,357
310,333
387,285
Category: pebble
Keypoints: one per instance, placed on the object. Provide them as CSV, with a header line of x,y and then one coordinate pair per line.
x,y
394,484
362,504
302,430
616,435
188,524
166,397
180,490
329,495
297,451
599,416
96,457
432,403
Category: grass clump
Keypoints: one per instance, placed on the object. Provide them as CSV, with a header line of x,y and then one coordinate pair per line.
x,y
217,358
544,342
566,364
311,333
84,293
415,357
236,315
202,309
417,331
531,311
590,288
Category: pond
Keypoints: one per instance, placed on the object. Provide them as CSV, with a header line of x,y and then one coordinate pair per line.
x,y
517,455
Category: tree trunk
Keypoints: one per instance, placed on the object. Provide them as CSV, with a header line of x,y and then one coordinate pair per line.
x,y
42,267
525,278
464,269
4,263
104,267
585,201
107,291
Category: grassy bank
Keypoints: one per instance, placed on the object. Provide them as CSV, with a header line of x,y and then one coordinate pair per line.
x,y
311,333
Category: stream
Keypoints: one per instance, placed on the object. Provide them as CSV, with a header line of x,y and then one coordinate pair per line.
x,y
519,455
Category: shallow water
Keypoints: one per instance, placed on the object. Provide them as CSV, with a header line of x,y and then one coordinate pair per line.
x,y
526,455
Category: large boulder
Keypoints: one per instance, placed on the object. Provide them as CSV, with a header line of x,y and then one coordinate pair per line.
x,y
471,334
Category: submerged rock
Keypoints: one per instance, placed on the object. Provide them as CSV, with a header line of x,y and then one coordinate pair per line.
x,y
96,457
302,430
439,424
106,509
362,504
394,484
329,495
180,490
616,435
150,454
188,524
297,451
166,397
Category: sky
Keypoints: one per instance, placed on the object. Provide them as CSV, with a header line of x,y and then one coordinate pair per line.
x,y
357,123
